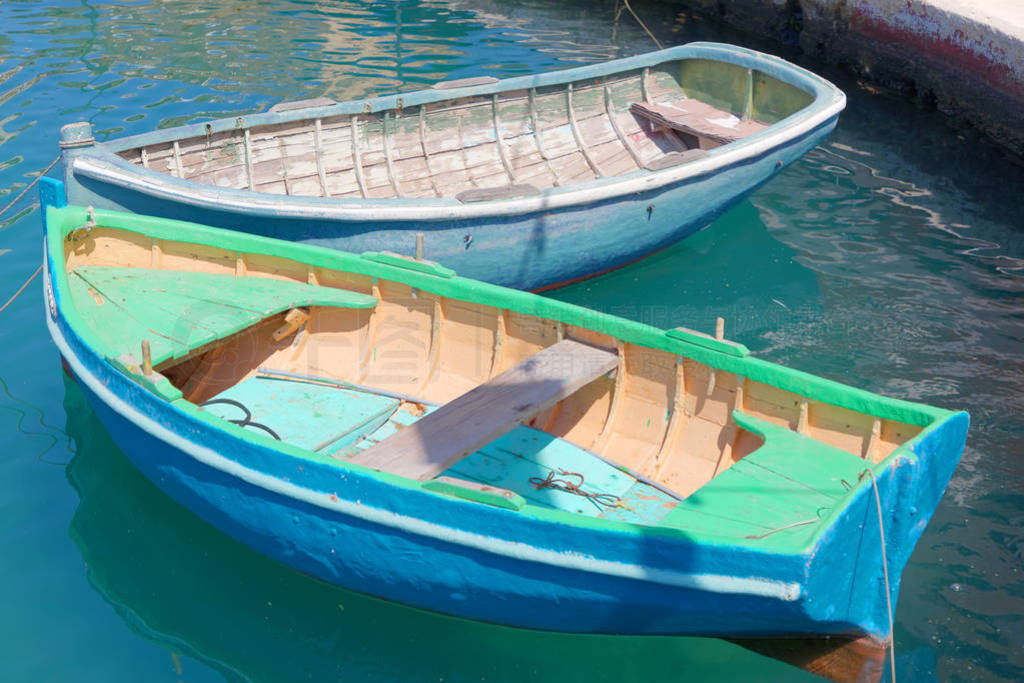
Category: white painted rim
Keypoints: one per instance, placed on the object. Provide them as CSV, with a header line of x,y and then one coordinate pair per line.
x,y
118,172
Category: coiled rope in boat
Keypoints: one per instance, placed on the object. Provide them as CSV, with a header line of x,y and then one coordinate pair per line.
x,y
552,482
246,421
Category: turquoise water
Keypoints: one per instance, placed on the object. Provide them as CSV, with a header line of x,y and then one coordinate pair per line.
x,y
891,257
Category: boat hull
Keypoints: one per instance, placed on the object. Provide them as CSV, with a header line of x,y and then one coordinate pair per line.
x,y
531,242
532,251
389,538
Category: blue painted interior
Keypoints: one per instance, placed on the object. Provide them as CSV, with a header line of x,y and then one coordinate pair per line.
x,y
311,416
341,422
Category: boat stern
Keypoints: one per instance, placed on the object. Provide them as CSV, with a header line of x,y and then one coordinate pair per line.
x,y
861,556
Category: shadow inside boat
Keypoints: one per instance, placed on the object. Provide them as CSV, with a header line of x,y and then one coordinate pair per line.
x,y
181,584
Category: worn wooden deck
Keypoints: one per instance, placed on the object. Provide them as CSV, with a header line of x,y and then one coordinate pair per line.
x,y
537,138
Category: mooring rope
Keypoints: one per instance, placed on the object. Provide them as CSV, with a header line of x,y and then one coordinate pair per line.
x,y
29,186
22,289
642,24
885,573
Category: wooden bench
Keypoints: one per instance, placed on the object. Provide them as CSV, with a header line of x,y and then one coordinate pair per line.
x,y
695,120
434,443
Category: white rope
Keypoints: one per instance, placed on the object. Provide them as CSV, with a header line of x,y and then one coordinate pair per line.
x,y
642,25
33,277
885,573
29,186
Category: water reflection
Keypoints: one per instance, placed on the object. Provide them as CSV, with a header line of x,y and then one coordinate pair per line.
x,y
181,584
890,258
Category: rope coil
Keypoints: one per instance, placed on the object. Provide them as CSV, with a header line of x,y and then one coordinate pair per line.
x,y
552,482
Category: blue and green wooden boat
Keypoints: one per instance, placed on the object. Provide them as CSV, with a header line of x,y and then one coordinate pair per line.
x,y
527,182
388,426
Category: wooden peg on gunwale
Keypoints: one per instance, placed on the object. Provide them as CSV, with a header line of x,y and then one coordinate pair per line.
x,y
147,358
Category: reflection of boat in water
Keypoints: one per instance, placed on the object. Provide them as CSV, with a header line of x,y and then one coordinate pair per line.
x,y
696,280
178,582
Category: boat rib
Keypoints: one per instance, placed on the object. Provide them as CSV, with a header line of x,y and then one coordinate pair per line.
x,y
576,133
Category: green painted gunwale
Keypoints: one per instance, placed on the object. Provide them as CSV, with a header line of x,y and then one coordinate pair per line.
x,y
62,221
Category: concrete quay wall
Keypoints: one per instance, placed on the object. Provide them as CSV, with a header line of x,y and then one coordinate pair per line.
x,y
964,57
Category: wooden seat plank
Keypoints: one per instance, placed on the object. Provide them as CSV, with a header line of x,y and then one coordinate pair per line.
x,y
696,118
434,443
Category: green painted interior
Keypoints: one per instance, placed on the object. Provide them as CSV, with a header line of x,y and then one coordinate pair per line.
x,y
311,416
725,86
774,100
179,312
790,480
720,84
63,221
702,524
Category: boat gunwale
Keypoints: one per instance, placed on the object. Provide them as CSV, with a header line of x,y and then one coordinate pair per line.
x,y
61,221
101,161
763,587
776,588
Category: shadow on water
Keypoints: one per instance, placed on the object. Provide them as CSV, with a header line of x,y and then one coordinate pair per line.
x,y
179,583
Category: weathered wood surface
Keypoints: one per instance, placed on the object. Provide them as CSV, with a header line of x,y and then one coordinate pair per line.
x,y
838,659
431,445
547,137
697,118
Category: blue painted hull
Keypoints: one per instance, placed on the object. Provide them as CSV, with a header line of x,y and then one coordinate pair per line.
x,y
549,237
531,251
391,539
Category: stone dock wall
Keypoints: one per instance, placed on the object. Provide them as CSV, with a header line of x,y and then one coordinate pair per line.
x,y
963,57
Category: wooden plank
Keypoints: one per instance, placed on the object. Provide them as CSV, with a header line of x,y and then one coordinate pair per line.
x,y
318,145
618,130
532,99
464,82
303,104
462,149
497,140
696,118
388,154
486,194
576,132
177,161
670,159
433,444
426,154
250,175
356,162
284,166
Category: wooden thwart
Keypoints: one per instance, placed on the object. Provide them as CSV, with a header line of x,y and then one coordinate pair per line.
x,y
435,442
694,124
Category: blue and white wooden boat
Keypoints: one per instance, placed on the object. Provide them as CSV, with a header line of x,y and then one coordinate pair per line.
x,y
526,182
386,426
